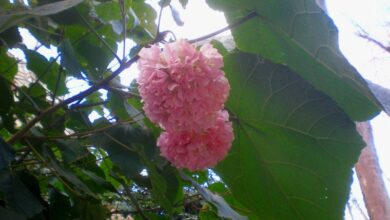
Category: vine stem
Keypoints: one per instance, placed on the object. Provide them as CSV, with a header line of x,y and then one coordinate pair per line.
x,y
81,95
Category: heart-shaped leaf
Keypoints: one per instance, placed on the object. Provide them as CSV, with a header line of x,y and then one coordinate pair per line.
x,y
294,148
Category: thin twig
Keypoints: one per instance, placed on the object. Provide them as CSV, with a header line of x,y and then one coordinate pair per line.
x,y
119,142
126,94
370,39
82,134
88,105
159,21
57,85
41,158
230,26
41,29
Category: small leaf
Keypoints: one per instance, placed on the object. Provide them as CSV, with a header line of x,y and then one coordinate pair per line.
x,y
68,59
117,105
47,71
109,11
71,150
159,186
146,16
98,181
176,16
68,175
10,37
164,3
183,3
8,65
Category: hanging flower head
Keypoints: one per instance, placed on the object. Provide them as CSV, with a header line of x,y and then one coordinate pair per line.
x,y
182,88
198,150
184,91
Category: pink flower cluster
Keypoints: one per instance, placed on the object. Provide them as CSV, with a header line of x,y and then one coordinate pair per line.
x,y
184,91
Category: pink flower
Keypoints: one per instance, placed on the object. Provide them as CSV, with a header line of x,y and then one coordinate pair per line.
x,y
182,88
198,150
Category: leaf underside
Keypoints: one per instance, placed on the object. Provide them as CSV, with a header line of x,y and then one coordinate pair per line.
x,y
300,35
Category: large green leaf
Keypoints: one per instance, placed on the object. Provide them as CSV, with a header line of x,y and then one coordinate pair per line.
x,y
294,148
300,35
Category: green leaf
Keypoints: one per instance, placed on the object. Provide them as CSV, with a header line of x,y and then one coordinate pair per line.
x,y
12,18
71,150
66,174
8,65
96,56
146,15
97,183
117,105
10,37
164,3
18,196
47,71
123,143
301,36
159,186
109,11
294,148
68,59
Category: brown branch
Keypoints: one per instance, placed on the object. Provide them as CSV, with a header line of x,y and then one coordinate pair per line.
x,y
370,177
81,95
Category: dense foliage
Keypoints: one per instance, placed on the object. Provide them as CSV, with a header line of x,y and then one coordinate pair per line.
x,y
293,102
